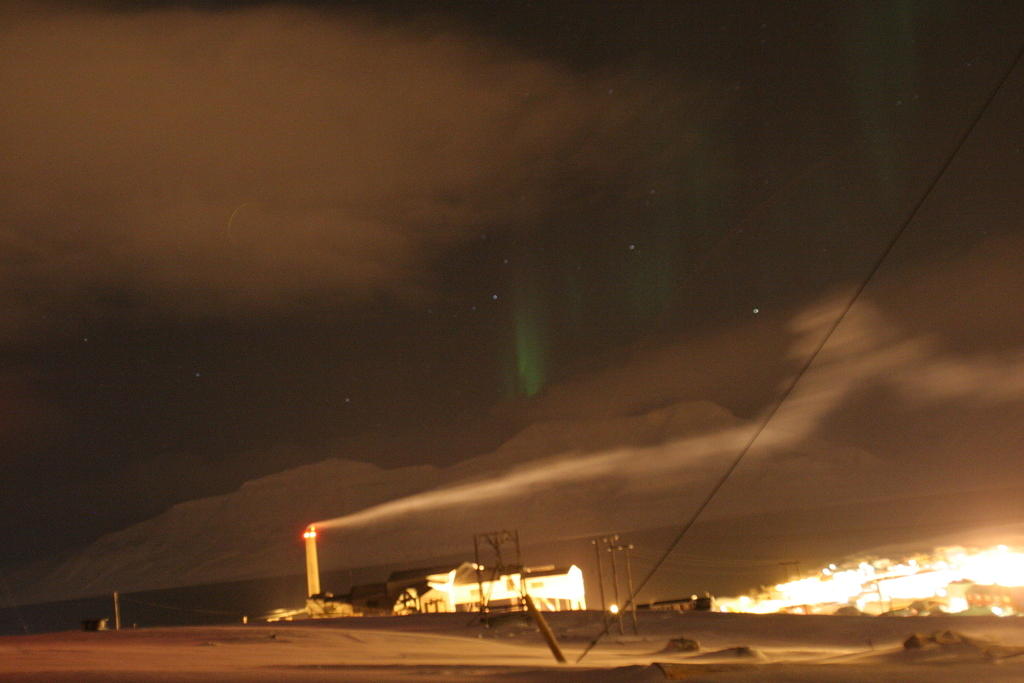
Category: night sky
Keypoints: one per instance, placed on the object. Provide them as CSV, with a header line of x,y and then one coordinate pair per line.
x,y
236,237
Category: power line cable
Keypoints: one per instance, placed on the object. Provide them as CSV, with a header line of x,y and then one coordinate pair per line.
x,y
716,562
180,609
824,340
12,604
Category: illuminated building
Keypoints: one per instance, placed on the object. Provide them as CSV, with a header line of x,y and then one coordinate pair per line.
x,y
459,590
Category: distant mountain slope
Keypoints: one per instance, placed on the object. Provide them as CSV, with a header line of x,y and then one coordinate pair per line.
x,y
624,473
244,534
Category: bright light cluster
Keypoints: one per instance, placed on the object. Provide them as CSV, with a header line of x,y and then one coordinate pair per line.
x,y
951,579
309,533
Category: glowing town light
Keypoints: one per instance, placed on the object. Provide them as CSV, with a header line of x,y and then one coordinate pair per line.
x,y
613,608
997,566
939,578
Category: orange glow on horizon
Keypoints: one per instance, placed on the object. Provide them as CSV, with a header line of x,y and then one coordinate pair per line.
x,y
880,585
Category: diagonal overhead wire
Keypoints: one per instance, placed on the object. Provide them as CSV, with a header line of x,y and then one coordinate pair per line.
x,y
876,266
13,605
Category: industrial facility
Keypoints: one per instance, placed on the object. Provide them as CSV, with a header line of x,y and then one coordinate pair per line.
x,y
552,588
947,580
467,587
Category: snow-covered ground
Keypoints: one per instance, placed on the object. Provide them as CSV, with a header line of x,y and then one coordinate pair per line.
x,y
455,647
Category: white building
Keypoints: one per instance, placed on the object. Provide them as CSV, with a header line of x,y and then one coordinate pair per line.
x,y
458,590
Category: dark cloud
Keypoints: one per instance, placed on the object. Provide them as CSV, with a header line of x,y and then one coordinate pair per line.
x,y
205,161
240,237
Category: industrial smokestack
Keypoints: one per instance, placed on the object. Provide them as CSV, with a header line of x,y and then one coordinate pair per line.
x,y
312,566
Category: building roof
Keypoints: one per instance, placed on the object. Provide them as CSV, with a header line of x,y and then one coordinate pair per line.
x,y
418,574
550,570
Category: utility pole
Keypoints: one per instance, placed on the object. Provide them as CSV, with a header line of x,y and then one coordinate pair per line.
x,y
117,611
544,628
615,586
629,585
610,544
600,573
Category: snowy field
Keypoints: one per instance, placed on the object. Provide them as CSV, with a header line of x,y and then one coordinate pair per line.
x,y
454,647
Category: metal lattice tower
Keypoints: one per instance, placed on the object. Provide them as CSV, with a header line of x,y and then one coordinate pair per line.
x,y
496,554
